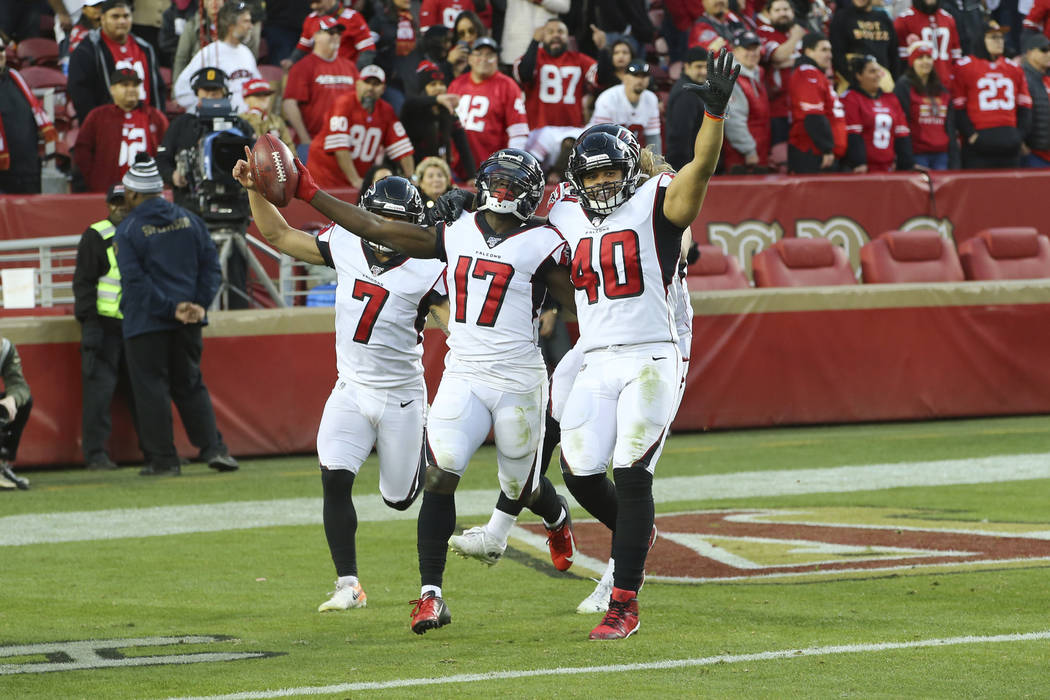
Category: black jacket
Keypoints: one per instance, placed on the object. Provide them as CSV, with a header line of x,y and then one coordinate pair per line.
x,y
432,128
90,66
1038,135
685,112
860,32
20,129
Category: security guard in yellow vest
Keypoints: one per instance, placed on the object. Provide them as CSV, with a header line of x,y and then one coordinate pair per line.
x,y
96,290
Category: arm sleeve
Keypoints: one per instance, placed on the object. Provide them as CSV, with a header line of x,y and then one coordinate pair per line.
x,y
209,272
15,384
855,151
892,56
902,89
78,84
86,275
905,157
525,67
736,130
819,130
954,158
1024,121
517,122
606,73
166,152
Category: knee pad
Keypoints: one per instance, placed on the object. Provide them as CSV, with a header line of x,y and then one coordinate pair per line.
x,y
516,431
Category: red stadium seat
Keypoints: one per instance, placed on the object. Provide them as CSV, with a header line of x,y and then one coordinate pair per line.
x,y
802,262
38,52
40,78
715,270
910,256
1006,254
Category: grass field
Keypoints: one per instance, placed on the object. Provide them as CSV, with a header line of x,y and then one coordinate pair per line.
x,y
900,560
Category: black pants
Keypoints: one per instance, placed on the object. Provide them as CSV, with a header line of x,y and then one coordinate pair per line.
x,y
11,432
998,147
803,162
103,368
165,367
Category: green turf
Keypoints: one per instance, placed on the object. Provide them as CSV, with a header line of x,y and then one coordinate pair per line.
x,y
262,586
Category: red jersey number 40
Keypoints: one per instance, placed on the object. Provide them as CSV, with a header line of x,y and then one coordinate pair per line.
x,y
619,273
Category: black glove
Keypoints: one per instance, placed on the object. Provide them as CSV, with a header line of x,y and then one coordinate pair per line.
x,y
449,206
718,88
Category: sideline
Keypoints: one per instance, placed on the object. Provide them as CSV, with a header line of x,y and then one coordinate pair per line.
x,y
621,668
121,523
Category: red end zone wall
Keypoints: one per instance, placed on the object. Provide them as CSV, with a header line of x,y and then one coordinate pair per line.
x,y
759,358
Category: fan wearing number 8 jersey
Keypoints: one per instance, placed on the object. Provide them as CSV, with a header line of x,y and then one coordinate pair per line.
x,y
877,132
379,398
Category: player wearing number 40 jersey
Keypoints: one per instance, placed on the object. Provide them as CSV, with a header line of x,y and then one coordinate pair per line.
x,y
379,397
499,262
626,242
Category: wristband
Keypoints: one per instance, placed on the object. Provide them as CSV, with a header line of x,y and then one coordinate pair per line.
x,y
708,115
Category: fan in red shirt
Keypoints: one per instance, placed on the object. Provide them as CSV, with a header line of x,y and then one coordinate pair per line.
x,y
113,134
993,105
927,104
357,45
781,37
876,128
361,128
818,122
716,27
315,82
555,81
926,21
1038,19
491,106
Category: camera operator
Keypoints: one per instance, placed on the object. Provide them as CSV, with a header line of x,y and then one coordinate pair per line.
x,y
193,157
15,405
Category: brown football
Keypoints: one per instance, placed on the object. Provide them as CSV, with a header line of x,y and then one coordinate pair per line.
x,y
274,171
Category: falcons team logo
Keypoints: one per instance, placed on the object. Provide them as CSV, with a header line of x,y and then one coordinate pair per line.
x,y
492,241
377,270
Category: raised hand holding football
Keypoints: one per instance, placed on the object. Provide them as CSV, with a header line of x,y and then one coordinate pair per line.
x,y
273,170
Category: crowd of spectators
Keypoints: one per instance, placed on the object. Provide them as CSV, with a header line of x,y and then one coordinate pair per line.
x,y
848,86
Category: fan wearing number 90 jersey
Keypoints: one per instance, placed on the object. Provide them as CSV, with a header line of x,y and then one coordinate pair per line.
x,y
359,135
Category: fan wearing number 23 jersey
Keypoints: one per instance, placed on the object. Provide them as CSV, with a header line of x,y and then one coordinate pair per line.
x,y
990,92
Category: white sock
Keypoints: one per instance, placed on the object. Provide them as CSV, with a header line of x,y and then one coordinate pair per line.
x,y
350,581
557,523
609,569
499,525
436,590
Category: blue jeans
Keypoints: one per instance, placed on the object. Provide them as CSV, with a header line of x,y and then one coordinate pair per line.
x,y
933,161
1033,161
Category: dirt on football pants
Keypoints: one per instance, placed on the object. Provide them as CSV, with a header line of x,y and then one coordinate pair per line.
x,y
357,417
621,404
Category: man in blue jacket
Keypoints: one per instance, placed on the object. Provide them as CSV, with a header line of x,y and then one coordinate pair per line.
x,y
169,272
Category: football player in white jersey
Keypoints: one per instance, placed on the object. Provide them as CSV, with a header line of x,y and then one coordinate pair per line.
x,y
626,243
500,263
379,397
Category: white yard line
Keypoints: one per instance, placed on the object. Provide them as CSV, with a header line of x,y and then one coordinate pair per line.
x,y
621,668
40,528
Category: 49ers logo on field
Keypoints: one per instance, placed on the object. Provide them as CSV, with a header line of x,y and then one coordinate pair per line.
x,y
822,543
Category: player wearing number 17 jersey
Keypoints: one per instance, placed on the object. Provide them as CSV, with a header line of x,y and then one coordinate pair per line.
x,y
626,242
379,398
499,261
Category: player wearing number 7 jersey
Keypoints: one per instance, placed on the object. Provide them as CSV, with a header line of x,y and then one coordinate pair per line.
x,y
499,262
626,242
379,397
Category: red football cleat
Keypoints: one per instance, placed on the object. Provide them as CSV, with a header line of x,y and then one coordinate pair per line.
x,y
430,612
561,542
622,619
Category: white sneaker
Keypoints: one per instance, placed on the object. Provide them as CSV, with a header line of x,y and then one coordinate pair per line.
x,y
6,484
346,596
476,543
598,601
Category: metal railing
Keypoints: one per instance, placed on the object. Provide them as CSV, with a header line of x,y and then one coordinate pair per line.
x,y
54,260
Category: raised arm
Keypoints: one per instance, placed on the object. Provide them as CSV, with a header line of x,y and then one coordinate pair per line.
x,y
412,240
686,192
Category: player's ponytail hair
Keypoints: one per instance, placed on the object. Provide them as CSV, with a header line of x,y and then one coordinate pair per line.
x,y
651,164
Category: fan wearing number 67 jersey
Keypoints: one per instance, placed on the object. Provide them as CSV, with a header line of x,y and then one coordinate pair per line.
x,y
499,262
626,242
379,397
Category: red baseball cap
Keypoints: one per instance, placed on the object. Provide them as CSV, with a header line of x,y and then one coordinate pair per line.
x,y
256,87
331,24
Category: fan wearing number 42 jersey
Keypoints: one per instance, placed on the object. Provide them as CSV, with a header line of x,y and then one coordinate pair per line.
x,y
379,397
500,262
625,242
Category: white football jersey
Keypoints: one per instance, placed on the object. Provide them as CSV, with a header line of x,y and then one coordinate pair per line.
x,y
380,309
613,107
622,266
494,294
